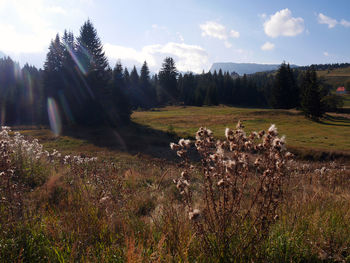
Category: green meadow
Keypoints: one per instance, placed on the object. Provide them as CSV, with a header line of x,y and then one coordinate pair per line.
x,y
332,133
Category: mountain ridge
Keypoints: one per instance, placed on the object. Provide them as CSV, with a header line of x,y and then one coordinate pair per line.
x,y
244,68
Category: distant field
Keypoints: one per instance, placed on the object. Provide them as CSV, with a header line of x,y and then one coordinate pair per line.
x,y
336,77
347,101
333,134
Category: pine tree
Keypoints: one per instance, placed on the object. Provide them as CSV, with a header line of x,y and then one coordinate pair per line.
x,y
311,99
96,75
168,81
280,88
53,72
119,110
134,78
134,92
118,77
146,88
71,93
90,51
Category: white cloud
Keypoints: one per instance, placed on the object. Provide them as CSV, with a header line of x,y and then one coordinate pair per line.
x,y
57,10
268,46
156,26
262,16
326,54
283,24
180,36
219,31
331,22
28,28
213,29
188,57
323,19
234,33
227,44
345,23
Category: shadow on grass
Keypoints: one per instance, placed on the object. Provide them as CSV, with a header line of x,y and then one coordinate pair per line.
x,y
337,120
132,138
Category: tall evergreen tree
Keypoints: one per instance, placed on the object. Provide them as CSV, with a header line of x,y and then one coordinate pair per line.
x,y
97,74
311,98
280,88
168,81
146,88
53,72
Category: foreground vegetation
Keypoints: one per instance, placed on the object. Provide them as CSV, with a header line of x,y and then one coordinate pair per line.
x,y
126,208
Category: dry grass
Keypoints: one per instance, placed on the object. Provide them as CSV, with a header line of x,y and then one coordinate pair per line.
x,y
126,208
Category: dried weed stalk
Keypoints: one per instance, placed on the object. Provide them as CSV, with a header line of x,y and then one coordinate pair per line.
x,y
242,184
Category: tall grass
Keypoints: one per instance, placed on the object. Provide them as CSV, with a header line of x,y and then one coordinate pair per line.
x,y
236,200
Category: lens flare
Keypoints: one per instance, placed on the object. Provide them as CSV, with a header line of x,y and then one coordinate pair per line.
x,y
54,116
29,85
80,65
65,106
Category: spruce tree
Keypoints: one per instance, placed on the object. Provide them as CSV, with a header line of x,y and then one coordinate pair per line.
x,y
96,75
168,81
146,87
53,72
311,99
280,88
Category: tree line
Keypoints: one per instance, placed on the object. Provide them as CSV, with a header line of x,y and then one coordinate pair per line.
x,y
77,84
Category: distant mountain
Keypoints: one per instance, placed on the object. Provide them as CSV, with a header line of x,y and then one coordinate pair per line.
x,y
2,54
244,68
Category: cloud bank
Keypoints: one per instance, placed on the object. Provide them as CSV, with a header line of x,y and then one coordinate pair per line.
x,y
283,24
188,57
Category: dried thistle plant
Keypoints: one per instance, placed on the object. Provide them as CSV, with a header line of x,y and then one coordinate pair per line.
x,y
242,186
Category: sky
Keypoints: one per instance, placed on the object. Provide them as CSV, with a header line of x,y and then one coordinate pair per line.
x,y
196,33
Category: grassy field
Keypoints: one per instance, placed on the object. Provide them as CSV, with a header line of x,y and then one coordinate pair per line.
x,y
125,207
336,77
347,101
332,134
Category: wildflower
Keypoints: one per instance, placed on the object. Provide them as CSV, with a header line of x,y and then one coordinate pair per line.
x,y
185,175
239,125
233,146
180,153
257,161
253,135
184,143
228,133
172,146
220,150
267,172
230,164
288,155
104,199
221,183
261,133
194,215
273,130
209,132
248,145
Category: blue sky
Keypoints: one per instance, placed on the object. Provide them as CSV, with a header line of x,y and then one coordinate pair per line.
x,y
196,33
